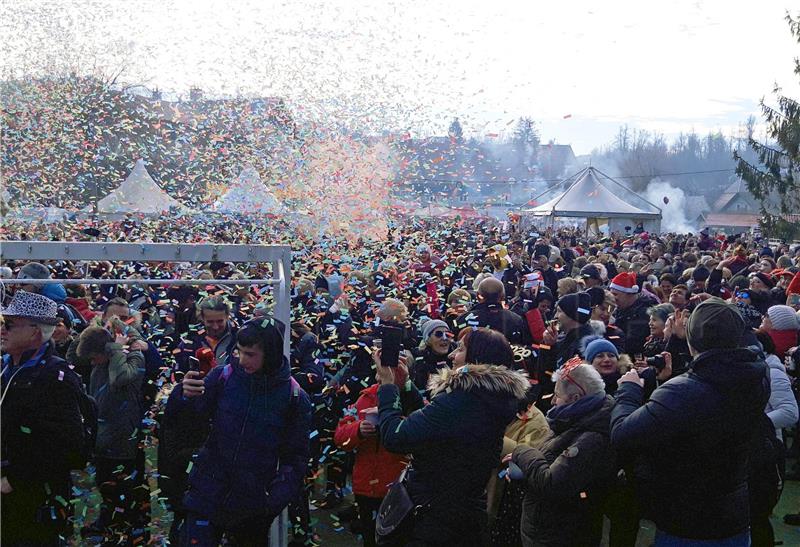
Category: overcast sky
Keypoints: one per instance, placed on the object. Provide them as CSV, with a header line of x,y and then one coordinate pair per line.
x,y
666,66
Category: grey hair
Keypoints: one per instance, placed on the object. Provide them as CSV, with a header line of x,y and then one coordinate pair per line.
x,y
46,330
585,376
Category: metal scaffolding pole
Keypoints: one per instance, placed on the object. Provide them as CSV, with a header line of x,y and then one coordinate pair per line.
x,y
279,256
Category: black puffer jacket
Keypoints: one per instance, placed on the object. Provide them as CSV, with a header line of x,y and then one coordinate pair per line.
x,y
427,362
566,479
495,317
635,323
42,439
455,442
692,438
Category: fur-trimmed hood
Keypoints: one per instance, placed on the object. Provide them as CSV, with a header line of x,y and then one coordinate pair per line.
x,y
493,378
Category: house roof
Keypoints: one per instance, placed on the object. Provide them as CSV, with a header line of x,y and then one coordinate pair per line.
x,y
731,219
737,187
591,193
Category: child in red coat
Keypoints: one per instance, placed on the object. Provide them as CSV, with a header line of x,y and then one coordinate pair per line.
x,y
375,467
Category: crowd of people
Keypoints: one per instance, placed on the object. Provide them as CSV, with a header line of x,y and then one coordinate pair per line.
x,y
546,382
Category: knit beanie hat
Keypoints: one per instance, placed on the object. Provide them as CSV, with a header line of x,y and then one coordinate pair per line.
x,y
544,294
782,318
594,345
700,273
794,285
767,280
577,306
321,283
429,326
34,270
714,324
597,294
625,282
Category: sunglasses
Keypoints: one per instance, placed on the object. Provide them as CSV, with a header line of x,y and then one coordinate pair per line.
x,y
443,334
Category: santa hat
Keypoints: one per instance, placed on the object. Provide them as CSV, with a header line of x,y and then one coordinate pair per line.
x,y
794,286
625,282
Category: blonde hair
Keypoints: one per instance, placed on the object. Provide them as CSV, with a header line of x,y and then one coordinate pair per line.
x,y
459,296
480,277
567,285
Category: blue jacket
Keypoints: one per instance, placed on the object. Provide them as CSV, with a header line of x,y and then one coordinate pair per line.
x,y
455,442
256,456
693,440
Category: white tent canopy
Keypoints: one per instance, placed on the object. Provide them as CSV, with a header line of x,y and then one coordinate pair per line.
x,y
607,205
248,195
591,194
138,194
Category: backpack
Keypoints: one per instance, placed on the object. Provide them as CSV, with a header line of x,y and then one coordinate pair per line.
x,y
89,413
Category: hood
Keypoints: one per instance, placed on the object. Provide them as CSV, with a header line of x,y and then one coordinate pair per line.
x,y
491,378
598,327
79,304
738,372
55,292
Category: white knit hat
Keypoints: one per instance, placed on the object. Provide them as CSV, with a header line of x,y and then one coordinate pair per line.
x,y
783,318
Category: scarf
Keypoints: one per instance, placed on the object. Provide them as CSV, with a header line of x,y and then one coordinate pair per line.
x,y
580,408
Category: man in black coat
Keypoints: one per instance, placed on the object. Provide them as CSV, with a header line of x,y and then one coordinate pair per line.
x,y
693,437
489,313
42,433
631,315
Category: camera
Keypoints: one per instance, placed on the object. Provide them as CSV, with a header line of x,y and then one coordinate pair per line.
x,y
657,361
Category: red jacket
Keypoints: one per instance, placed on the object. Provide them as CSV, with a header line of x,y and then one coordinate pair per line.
x,y
82,307
783,340
375,468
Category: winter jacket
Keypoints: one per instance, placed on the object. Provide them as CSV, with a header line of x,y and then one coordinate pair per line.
x,y
566,479
528,429
306,366
117,388
256,456
635,323
82,306
455,443
427,362
567,347
692,438
42,437
782,405
375,467
194,341
495,317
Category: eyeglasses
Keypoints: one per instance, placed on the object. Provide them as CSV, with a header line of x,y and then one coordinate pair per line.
x,y
443,334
